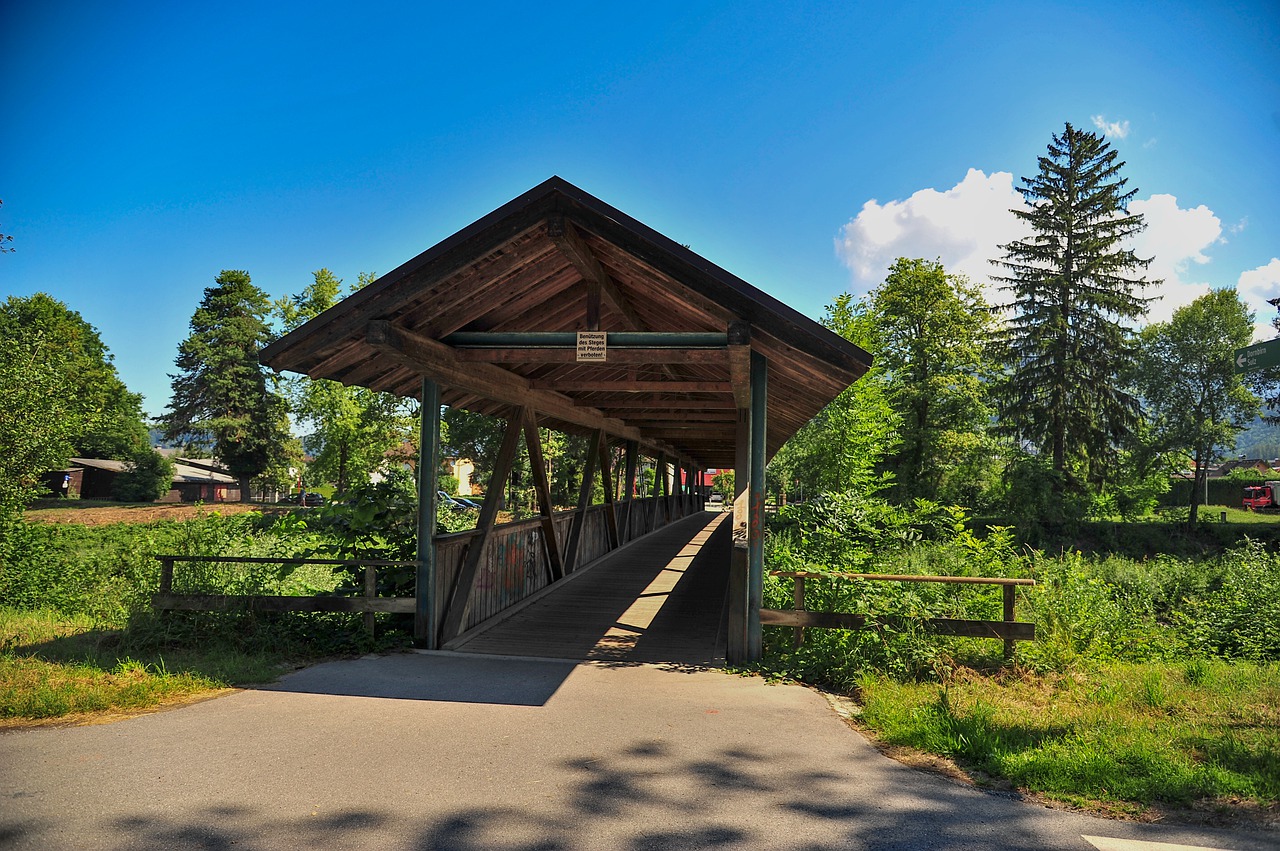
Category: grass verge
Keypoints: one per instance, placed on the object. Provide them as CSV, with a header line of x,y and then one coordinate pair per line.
x,y
53,666
1128,739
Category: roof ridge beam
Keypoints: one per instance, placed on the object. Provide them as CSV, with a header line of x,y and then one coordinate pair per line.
x,y
579,254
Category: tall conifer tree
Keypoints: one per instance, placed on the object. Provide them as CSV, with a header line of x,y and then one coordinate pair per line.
x,y
1076,288
221,390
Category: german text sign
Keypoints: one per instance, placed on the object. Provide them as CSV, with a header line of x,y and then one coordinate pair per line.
x,y
1258,356
592,346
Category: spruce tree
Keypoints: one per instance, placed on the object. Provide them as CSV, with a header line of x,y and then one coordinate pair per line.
x,y
221,390
1075,290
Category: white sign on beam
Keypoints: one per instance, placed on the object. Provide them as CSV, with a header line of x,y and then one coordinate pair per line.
x,y
592,346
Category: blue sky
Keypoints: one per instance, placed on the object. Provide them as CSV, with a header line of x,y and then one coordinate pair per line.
x,y
146,146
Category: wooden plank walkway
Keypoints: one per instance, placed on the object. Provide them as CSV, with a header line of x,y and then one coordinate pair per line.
x,y
660,599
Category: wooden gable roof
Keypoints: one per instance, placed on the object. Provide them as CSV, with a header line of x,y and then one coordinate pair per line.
x,y
466,313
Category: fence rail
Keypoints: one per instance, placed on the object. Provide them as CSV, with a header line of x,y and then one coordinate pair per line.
x,y
514,565
1010,630
369,603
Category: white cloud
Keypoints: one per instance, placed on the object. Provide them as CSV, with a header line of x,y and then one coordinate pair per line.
x,y
1256,287
962,227
1111,129
1176,240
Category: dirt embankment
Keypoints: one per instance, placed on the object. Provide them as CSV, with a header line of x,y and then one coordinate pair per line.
x,y
94,513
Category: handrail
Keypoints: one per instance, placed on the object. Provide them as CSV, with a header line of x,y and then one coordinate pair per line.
x,y
800,618
906,577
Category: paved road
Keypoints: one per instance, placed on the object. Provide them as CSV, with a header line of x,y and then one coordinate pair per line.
x,y
432,751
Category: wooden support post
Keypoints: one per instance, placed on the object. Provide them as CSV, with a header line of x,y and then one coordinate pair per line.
x,y
455,618
797,600
739,595
629,486
574,543
542,487
668,480
660,464
370,592
755,515
606,480
166,575
425,630
1009,617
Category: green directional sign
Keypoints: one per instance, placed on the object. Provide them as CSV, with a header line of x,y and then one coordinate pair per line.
x,y
1258,356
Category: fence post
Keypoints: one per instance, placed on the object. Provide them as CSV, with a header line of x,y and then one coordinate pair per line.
x,y
797,639
166,575
370,591
1009,592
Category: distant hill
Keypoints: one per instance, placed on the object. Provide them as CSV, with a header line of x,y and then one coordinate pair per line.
x,y
1259,440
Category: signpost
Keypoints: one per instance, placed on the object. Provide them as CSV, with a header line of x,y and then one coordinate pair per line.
x,y
1258,356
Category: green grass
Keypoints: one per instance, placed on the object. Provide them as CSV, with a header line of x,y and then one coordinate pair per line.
x,y
53,665
1125,735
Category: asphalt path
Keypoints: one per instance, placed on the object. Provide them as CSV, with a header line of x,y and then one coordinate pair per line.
x,y
444,751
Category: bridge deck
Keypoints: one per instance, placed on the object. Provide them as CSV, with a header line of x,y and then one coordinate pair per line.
x,y
660,599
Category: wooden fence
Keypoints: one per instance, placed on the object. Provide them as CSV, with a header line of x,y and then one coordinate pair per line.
x,y
369,602
514,566
1009,629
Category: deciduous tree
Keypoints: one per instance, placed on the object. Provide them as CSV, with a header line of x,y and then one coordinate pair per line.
x,y
1075,286
353,429
109,422
1186,373
932,331
843,447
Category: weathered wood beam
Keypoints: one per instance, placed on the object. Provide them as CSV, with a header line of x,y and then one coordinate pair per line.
x,y
662,403
606,479
460,601
629,484
1010,631
439,362
578,386
574,544
740,363
542,487
569,339
425,627
660,464
575,249
755,503
709,357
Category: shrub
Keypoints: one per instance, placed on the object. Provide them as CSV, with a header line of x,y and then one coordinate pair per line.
x,y
146,478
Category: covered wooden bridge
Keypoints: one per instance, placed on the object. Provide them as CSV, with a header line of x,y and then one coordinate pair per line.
x,y
557,310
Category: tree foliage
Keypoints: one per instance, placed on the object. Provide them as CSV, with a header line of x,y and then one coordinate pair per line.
x,y
1185,368
108,422
1074,287
842,448
39,416
220,389
931,331
354,430
147,477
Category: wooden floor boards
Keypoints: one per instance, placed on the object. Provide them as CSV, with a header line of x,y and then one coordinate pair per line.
x,y
658,600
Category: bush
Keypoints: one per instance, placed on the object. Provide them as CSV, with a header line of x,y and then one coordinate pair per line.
x,y
146,478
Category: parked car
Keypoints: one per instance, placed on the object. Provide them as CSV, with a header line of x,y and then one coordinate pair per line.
x,y
452,502
310,498
715,499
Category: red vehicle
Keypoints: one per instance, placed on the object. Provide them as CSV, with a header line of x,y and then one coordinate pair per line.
x,y
1262,497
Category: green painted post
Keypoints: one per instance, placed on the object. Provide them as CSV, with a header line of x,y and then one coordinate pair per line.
x,y
755,506
425,629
